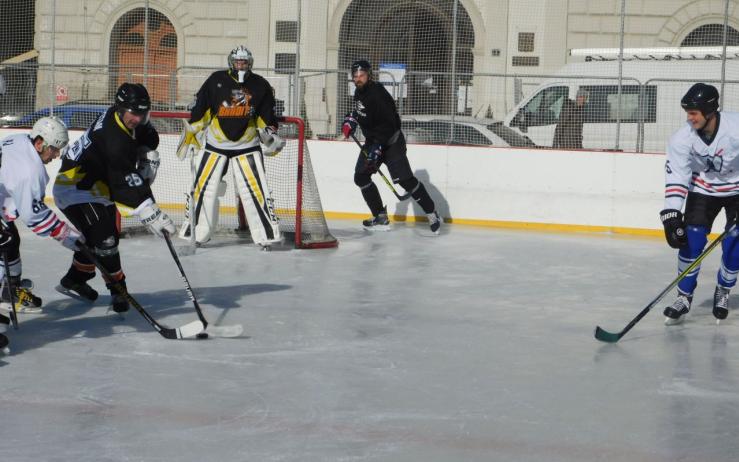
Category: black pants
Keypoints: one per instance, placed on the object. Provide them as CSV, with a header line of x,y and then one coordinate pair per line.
x,y
12,251
97,222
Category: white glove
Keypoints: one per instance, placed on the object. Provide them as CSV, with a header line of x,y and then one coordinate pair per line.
x,y
68,236
273,144
148,163
152,216
188,139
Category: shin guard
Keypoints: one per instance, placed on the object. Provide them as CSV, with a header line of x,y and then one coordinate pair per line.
x,y
256,197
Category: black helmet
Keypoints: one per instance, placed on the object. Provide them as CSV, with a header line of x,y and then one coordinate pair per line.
x,y
133,97
362,65
702,97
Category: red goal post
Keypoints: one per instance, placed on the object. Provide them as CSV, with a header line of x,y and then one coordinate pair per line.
x,y
290,176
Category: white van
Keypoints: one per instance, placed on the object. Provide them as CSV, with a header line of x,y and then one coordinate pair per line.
x,y
654,80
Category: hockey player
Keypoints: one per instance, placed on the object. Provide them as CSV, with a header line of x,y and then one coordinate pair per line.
x,y
112,164
374,111
23,181
234,111
703,167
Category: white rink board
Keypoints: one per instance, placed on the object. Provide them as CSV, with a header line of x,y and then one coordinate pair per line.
x,y
610,189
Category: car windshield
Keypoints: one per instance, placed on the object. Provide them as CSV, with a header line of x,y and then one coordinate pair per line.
x,y
439,132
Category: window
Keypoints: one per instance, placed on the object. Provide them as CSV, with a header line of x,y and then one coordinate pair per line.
x,y
525,42
285,63
525,61
602,104
286,31
545,107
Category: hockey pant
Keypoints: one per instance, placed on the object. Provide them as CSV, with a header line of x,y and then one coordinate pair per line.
x,y
208,188
697,239
256,197
97,222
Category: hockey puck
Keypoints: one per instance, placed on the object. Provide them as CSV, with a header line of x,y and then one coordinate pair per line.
x,y
202,335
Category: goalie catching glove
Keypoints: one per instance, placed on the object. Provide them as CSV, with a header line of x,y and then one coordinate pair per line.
x,y
148,163
188,139
152,216
272,142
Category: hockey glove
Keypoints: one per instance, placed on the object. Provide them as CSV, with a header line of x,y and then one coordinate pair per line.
x,y
674,225
188,139
349,126
273,143
374,158
148,163
152,216
68,236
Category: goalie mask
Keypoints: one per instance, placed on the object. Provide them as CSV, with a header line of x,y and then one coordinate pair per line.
x,y
240,53
52,130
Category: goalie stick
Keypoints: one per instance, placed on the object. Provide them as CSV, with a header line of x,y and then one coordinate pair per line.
x,y
216,331
387,182
187,331
11,292
611,337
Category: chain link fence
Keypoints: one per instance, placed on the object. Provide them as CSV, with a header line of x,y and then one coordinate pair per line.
x,y
603,74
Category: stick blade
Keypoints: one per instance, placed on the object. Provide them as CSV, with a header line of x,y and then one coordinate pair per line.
x,y
605,336
230,331
190,330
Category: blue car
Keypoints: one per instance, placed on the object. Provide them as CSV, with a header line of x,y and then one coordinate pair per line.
x,y
76,115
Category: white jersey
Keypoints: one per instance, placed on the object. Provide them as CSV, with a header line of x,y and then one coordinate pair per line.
x,y
23,180
710,169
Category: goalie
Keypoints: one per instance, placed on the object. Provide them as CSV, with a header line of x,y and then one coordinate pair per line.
x,y
233,113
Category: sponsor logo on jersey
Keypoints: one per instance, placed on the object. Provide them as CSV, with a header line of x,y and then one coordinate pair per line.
x,y
361,110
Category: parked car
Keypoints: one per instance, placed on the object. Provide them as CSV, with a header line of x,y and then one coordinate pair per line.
x,y
466,131
79,115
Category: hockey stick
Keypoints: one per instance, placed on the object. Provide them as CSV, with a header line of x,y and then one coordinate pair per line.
x,y
217,331
387,182
610,337
186,331
11,292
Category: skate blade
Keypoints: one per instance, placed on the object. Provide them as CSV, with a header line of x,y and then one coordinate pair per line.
x,y
381,228
674,322
5,306
64,291
5,351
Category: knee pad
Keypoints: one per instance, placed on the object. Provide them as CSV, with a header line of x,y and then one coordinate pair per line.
x,y
697,238
208,187
107,247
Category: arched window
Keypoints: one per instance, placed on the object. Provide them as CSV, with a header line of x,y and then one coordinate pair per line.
x,y
127,43
711,35
414,37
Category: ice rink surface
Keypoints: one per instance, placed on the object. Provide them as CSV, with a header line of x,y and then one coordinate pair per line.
x,y
476,345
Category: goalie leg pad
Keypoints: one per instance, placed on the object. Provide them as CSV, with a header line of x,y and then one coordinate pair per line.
x,y
256,197
206,191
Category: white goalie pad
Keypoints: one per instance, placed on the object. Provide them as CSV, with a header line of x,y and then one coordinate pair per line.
x,y
256,198
207,190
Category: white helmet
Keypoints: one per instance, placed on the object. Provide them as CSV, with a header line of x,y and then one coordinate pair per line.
x,y
240,52
52,130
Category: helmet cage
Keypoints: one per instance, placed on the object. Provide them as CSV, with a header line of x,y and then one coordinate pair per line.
x,y
240,53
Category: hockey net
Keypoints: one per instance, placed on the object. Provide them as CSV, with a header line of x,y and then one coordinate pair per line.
x,y
290,176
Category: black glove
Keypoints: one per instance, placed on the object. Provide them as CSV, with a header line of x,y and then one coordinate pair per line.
x,y
374,157
674,225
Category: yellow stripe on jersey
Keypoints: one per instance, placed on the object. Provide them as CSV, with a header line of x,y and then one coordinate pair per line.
x,y
71,177
217,132
123,127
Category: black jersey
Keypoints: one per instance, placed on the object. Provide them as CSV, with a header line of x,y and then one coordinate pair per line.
x,y
101,166
376,114
232,111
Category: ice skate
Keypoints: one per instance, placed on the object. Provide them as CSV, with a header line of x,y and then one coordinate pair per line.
x,y
25,300
675,313
119,305
379,222
434,221
79,290
720,303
